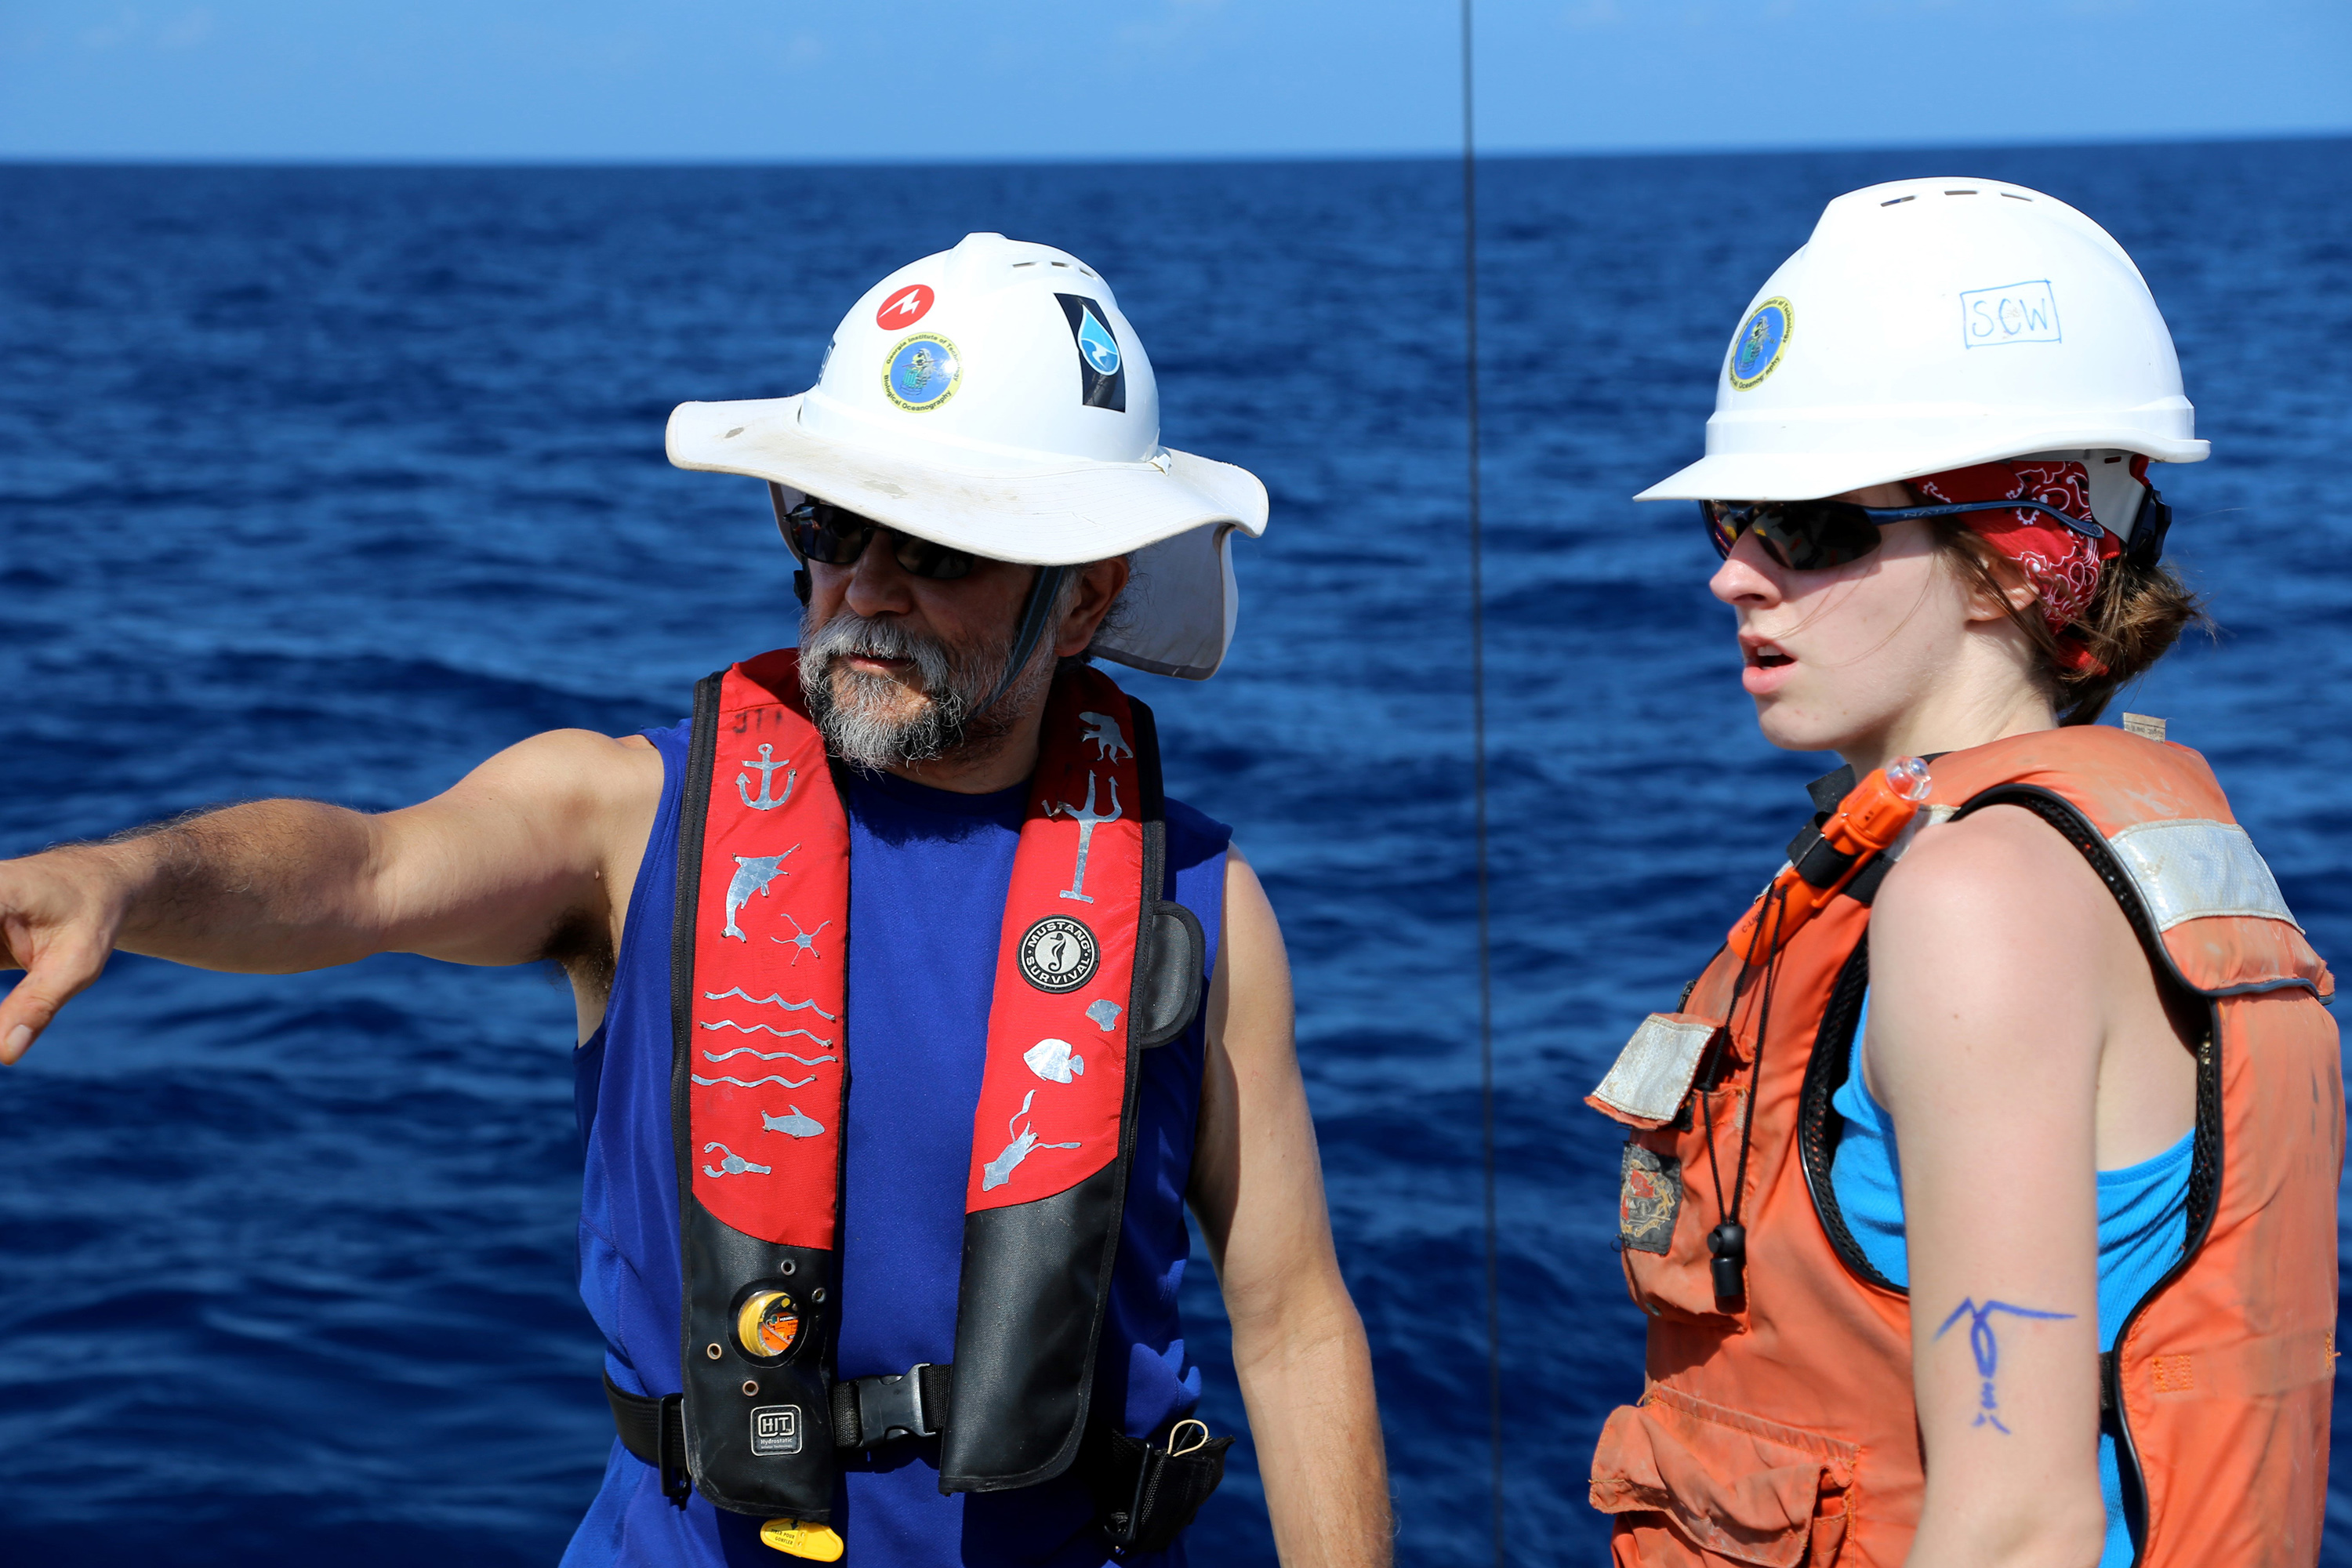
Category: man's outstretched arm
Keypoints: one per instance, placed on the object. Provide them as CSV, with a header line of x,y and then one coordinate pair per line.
x,y
494,871
1258,1186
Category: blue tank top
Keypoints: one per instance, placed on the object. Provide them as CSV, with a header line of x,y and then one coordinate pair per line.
x,y
2143,1227
929,873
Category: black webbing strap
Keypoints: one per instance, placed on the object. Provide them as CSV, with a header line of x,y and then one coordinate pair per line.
x,y
654,1429
1036,615
871,1411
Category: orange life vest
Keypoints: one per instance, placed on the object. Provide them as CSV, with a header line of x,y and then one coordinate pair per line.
x,y
1093,967
1779,1429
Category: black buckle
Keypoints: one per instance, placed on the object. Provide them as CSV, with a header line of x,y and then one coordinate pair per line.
x,y
891,1406
677,1480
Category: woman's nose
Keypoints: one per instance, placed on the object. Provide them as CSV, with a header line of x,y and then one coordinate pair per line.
x,y
1747,575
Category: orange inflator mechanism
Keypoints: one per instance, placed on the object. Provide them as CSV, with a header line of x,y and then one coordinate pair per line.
x,y
1824,859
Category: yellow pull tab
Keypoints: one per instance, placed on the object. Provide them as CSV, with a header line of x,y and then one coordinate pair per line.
x,y
818,1543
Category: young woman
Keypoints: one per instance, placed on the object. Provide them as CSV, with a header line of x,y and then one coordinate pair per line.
x,y
1981,1191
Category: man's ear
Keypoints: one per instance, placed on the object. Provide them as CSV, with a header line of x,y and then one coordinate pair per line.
x,y
1099,586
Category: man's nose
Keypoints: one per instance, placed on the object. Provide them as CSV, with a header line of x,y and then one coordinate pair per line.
x,y
878,585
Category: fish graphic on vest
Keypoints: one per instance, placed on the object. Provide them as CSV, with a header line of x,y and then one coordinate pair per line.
x,y
1054,1061
752,874
796,1124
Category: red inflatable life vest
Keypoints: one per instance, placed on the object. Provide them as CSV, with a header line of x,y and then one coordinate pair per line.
x,y
1090,970
1779,1429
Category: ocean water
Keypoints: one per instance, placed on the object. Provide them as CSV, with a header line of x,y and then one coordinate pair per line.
x,y
331,481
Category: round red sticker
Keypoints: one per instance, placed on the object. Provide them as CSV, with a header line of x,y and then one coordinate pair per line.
x,y
905,307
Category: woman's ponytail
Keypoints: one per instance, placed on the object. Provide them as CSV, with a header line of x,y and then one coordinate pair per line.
x,y
2132,620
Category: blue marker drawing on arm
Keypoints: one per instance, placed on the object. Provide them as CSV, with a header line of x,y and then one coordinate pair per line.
x,y
1986,1351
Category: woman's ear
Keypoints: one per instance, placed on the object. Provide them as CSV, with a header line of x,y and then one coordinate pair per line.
x,y
2015,593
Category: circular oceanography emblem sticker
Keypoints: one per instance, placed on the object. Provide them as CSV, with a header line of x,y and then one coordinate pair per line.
x,y
922,371
1057,953
1762,338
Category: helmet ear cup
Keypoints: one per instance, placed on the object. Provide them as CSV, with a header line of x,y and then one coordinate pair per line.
x,y
2155,521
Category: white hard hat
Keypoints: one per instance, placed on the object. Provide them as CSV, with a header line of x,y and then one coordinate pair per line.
x,y
995,399
1930,324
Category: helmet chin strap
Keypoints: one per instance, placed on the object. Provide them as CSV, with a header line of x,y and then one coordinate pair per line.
x,y
1035,614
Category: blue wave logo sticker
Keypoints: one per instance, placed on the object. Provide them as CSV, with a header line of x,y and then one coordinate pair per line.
x,y
1762,338
1102,374
1096,343
922,373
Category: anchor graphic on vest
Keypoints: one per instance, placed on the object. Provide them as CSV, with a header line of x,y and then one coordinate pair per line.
x,y
1085,818
767,764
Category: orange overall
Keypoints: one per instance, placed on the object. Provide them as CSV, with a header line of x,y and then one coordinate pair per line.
x,y
1778,1428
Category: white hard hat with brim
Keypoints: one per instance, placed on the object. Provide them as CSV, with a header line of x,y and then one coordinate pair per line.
x,y
1011,460
1934,324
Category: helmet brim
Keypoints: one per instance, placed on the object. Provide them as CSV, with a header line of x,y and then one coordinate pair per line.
x,y
1173,515
1810,475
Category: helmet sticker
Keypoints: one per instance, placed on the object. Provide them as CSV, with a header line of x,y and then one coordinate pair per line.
x,y
922,373
1102,376
2014,313
1756,350
905,307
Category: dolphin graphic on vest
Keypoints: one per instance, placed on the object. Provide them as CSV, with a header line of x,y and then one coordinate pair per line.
x,y
752,874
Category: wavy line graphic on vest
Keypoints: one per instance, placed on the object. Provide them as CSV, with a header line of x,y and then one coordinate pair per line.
x,y
767,764
999,1171
753,1083
767,1029
772,999
732,1163
801,941
716,1056
1087,820
1052,1060
1109,740
752,874
796,1125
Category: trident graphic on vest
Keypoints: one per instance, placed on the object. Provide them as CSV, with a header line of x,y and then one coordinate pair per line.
x,y
1087,819
767,764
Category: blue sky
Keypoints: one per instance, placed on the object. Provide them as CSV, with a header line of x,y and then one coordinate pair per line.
x,y
927,79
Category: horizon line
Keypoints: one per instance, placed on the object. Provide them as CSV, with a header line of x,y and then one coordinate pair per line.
x,y
1502,154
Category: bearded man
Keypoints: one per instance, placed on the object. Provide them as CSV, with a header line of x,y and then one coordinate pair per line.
x,y
922,1310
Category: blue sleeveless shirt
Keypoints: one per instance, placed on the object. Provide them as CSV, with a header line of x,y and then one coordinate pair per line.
x,y
929,873
2143,1229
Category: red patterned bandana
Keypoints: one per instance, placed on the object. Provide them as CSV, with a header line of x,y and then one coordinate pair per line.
x,y
2062,564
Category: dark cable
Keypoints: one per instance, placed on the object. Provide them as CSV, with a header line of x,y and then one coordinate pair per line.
x,y
1478,785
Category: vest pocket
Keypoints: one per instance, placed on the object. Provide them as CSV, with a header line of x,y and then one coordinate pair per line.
x,y
1738,1488
1667,1203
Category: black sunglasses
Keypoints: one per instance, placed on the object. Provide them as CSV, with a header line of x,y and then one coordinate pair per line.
x,y
1814,535
819,530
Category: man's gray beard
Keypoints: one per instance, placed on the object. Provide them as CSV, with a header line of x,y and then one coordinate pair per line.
x,y
856,711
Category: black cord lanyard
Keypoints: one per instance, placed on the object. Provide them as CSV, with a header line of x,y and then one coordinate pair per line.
x,y
1727,1242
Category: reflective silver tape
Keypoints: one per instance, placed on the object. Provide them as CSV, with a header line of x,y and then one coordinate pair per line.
x,y
2194,869
1652,1073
